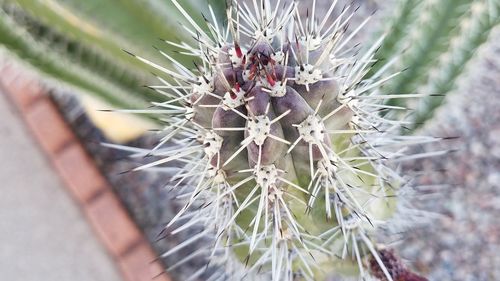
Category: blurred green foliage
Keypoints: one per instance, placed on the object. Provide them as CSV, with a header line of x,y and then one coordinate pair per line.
x,y
81,42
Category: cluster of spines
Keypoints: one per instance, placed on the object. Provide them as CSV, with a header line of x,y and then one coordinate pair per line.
x,y
203,120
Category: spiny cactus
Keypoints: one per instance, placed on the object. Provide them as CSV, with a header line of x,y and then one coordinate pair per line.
x,y
285,158
439,39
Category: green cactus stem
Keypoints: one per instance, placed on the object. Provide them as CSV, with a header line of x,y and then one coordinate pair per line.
x,y
433,50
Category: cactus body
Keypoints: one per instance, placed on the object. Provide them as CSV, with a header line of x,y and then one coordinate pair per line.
x,y
286,159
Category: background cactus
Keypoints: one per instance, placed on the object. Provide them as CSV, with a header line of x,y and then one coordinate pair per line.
x,y
286,158
433,41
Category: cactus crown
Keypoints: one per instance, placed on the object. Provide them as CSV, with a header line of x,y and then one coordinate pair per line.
x,y
284,155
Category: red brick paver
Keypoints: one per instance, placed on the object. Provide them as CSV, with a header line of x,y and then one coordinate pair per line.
x,y
24,91
48,126
112,223
134,267
79,172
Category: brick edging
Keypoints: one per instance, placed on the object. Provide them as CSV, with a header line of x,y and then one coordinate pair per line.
x,y
111,222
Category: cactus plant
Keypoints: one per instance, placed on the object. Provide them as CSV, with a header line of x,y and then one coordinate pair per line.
x,y
284,155
433,41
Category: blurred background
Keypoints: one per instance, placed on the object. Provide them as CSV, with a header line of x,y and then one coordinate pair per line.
x,y
450,48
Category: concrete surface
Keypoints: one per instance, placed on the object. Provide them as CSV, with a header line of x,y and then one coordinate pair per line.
x,y
43,234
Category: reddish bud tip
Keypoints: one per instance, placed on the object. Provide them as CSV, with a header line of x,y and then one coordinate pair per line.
x,y
271,80
253,71
237,48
